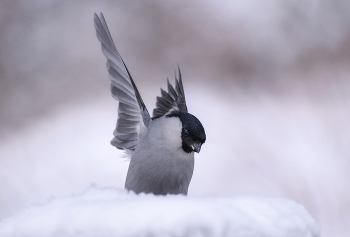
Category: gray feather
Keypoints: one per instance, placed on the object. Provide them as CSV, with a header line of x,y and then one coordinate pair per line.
x,y
174,99
131,107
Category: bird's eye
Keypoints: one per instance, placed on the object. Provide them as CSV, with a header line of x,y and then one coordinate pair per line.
x,y
185,132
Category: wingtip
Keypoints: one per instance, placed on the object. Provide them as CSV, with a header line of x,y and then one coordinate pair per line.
x,y
102,18
168,83
179,82
178,77
98,17
178,67
179,71
175,74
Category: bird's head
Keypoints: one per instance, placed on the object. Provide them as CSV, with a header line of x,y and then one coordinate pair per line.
x,y
192,132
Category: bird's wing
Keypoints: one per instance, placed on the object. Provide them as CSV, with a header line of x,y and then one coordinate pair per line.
x,y
174,99
131,107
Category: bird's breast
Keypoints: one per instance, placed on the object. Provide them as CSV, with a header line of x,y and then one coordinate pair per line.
x,y
162,172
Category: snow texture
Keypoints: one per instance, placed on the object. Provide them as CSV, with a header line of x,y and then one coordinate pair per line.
x,y
114,212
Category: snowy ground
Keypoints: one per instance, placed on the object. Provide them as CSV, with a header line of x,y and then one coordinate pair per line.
x,y
256,146
113,212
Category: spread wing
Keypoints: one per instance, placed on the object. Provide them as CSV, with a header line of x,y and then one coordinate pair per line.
x,y
174,99
131,107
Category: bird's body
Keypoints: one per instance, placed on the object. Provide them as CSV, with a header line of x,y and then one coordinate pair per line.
x,y
155,171
162,147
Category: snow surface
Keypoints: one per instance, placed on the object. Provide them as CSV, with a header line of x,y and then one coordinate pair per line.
x,y
114,212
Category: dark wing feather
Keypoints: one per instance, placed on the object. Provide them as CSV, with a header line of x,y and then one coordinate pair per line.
x,y
174,99
123,88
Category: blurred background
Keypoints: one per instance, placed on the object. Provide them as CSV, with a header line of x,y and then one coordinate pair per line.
x,y
269,80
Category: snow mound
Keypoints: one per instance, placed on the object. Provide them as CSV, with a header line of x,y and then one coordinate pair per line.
x,y
115,212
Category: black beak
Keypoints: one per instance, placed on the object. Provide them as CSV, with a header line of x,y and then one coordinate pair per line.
x,y
196,147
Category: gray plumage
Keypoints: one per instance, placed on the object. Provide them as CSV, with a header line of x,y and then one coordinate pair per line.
x,y
163,146
175,98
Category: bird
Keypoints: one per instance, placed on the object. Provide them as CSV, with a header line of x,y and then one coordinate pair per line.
x,y
161,147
